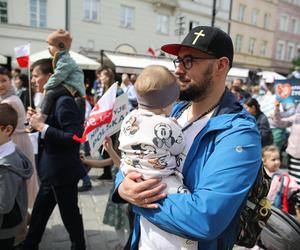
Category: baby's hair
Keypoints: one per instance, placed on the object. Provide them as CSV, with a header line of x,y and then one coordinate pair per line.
x,y
152,78
8,116
269,149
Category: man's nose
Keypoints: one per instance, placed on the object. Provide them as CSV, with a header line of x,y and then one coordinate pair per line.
x,y
180,70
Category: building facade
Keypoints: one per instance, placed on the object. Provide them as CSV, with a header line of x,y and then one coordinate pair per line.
x,y
131,26
286,44
252,31
266,33
136,25
24,21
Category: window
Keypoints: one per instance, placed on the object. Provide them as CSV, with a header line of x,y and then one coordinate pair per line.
x,y
263,48
242,10
254,16
162,24
280,47
3,11
294,25
283,23
127,16
221,4
251,45
298,51
238,43
266,21
91,9
290,52
193,24
38,13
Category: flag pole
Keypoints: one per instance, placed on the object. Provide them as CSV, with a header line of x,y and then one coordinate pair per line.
x,y
29,80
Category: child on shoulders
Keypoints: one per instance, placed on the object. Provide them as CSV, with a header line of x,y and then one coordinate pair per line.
x,y
68,78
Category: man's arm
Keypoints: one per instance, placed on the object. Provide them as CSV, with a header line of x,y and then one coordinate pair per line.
x,y
221,187
67,115
130,189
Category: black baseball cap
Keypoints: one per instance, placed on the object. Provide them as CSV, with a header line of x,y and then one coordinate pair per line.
x,y
210,40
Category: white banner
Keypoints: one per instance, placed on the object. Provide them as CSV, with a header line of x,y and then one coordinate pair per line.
x,y
97,136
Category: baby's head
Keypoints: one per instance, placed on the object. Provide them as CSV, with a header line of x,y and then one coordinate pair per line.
x,y
271,159
157,89
8,122
59,40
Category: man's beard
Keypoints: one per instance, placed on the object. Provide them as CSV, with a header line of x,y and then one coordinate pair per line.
x,y
200,90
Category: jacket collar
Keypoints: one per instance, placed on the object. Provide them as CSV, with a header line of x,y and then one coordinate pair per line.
x,y
58,55
228,105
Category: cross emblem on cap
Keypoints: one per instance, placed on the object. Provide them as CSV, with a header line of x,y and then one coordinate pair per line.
x,y
198,34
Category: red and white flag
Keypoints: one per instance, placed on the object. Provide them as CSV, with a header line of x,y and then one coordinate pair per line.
x,y
101,114
22,55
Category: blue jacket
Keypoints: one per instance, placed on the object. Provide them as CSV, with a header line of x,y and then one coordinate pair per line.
x,y
66,71
219,170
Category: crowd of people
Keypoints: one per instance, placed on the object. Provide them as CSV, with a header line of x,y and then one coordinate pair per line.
x,y
183,162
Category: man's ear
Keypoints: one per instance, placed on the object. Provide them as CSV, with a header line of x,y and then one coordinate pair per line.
x,y
222,65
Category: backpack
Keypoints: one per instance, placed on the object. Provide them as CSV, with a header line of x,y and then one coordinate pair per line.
x,y
256,211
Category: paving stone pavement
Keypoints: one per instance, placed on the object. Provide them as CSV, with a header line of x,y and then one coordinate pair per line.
x,y
92,205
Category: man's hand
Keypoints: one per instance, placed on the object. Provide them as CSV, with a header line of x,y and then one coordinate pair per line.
x,y
30,113
37,121
142,193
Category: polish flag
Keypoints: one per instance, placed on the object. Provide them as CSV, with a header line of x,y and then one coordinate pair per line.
x,y
22,55
151,52
101,114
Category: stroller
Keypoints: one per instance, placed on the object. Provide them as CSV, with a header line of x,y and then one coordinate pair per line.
x,y
282,230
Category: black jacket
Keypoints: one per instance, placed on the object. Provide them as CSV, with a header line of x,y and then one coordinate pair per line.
x,y
264,129
59,161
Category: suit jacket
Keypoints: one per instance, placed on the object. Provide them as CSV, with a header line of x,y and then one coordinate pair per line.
x,y
59,162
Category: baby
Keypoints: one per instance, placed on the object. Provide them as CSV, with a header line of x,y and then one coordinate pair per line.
x,y
150,142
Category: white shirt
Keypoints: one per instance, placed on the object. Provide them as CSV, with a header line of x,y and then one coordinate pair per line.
x,y
190,133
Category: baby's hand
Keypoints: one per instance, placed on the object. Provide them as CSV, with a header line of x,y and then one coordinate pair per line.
x,y
107,144
174,120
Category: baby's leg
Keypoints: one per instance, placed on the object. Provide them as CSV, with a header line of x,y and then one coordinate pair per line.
x,y
50,98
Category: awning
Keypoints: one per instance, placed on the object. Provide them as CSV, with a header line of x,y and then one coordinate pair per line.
x,y
271,76
238,72
134,64
3,59
83,61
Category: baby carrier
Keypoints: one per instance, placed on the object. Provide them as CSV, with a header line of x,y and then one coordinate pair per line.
x,y
282,230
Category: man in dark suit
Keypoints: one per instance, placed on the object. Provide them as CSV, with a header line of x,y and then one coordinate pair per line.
x,y
60,167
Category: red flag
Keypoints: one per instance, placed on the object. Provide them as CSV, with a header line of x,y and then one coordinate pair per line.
x,y
22,55
101,114
151,52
